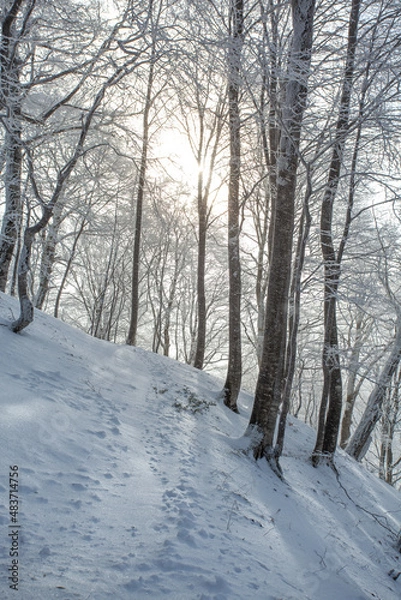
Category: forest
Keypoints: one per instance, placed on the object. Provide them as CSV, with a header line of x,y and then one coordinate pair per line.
x,y
217,181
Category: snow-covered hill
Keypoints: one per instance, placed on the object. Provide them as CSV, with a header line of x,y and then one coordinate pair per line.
x,y
132,485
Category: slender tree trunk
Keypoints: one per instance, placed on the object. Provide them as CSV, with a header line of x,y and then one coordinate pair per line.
x,y
262,227
200,281
48,257
387,436
294,318
360,441
203,192
331,402
352,389
133,327
201,292
232,384
170,303
68,266
270,385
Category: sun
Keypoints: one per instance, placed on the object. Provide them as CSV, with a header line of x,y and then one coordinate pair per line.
x,y
176,158
175,154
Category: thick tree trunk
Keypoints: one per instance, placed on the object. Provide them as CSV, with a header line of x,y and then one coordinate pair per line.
x,y
234,372
270,382
10,100
13,211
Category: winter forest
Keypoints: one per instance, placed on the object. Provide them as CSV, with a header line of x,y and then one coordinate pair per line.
x,y
217,181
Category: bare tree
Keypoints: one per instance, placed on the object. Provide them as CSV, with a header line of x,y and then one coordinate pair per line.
x,y
133,326
14,21
361,438
331,405
232,383
269,387
154,17
118,72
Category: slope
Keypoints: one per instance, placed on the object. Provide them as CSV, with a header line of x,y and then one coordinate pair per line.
x,y
133,484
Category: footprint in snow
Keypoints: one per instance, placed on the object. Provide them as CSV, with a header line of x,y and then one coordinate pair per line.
x,y
100,434
78,487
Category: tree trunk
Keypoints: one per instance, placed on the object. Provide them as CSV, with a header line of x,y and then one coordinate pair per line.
x,y
331,402
270,137
294,318
201,293
360,440
352,388
48,257
270,385
69,265
234,372
200,280
133,327
26,306
10,100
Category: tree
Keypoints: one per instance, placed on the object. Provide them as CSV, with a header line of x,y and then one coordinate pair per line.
x,y
331,404
202,116
111,77
157,34
133,326
361,438
269,388
13,33
388,462
232,383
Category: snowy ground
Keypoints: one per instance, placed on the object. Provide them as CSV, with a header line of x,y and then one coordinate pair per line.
x,y
132,484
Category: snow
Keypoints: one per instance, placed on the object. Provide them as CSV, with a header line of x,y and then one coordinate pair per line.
x,y
133,484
